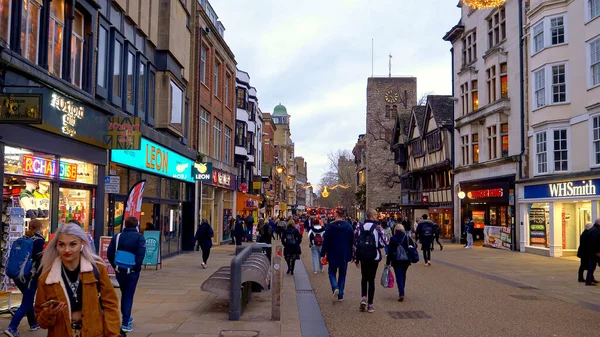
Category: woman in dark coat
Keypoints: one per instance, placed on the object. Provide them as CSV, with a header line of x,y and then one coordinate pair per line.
x,y
291,239
400,267
203,237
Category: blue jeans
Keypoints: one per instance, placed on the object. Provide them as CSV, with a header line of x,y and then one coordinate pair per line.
x,y
400,272
26,308
338,282
127,284
316,258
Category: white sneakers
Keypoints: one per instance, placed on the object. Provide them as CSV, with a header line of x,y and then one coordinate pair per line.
x,y
203,265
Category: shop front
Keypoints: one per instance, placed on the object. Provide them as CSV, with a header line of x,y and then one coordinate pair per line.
x,y
247,204
554,214
389,210
217,204
167,204
490,205
53,159
443,217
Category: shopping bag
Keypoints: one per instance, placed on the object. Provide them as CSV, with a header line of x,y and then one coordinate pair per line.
x,y
385,278
390,278
324,261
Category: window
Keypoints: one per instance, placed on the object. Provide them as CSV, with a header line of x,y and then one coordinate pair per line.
x,y
465,149
539,88
492,140
593,8
469,48
227,80
30,22
77,50
557,30
541,155
416,148
116,82
559,85
561,162
538,37
203,53
204,130
474,95
497,27
240,134
131,78
55,37
596,140
503,80
102,56
491,83
434,142
216,82
595,61
504,137
142,89
464,94
241,100
151,97
227,156
217,139
475,145
176,106
5,8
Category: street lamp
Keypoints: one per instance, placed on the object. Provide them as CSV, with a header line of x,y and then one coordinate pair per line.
x,y
279,169
461,195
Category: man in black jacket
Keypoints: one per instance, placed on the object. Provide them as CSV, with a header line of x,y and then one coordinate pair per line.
x,y
131,241
593,250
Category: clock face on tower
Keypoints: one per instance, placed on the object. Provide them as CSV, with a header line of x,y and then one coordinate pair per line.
x,y
391,96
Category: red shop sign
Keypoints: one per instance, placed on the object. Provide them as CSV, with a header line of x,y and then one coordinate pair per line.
x,y
491,193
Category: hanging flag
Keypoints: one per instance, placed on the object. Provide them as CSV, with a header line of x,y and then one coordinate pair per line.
x,y
134,201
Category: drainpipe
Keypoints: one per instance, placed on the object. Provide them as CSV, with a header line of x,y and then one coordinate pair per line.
x,y
522,110
452,144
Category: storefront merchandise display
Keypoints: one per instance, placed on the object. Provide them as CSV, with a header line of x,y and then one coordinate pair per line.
x,y
13,228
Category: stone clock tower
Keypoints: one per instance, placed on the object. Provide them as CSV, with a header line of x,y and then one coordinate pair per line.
x,y
387,97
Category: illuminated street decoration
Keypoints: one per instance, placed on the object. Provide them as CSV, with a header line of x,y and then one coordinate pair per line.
x,y
481,4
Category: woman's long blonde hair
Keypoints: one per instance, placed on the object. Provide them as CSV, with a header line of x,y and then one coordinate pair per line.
x,y
51,252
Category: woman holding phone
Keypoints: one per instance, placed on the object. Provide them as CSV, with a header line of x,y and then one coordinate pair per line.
x,y
74,290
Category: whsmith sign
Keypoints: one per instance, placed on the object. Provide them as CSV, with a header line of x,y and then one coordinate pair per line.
x,y
577,188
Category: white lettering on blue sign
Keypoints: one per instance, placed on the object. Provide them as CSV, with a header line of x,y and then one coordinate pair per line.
x,y
568,190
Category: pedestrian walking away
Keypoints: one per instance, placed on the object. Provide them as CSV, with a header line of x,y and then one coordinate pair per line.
x,y
592,251
126,253
31,247
584,246
398,260
315,239
291,240
239,230
469,228
249,227
203,237
425,235
369,238
436,234
75,293
266,235
337,248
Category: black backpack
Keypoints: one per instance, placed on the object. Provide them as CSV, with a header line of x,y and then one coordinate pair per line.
x,y
401,254
366,246
290,238
427,230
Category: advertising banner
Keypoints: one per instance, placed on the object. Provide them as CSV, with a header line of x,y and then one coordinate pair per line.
x,y
506,237
104,242
492,236
152,248
133,207
537,226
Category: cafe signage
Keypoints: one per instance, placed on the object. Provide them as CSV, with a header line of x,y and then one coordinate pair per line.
x,y
223,179
72,112
577,188
21,108
202,172
156,159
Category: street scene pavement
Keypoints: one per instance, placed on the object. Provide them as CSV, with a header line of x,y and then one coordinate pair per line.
x,y
478,292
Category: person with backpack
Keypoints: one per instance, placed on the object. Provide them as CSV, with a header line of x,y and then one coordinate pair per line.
x,y
126,253
203,237
425,234
337,248
25,251
75,293
291,240
315,239
398,258
281,224
239,230
368,240
249,227
436,234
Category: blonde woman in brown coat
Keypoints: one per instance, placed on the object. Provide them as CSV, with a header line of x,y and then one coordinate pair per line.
x,y
67,301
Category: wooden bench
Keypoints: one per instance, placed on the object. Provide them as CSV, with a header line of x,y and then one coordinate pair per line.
x,y
250,266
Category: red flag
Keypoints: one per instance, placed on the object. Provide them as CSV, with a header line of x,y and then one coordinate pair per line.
x,y
134,201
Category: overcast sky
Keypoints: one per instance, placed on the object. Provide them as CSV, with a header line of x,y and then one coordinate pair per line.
x,y
314,56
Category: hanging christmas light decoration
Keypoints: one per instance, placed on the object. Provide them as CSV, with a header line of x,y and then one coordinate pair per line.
x,y
325,193
481,4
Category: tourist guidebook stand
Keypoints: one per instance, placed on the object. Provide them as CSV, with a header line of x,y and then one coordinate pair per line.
x,y
14,227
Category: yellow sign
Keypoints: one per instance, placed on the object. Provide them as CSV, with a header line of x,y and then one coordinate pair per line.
x,y
20,109
256,185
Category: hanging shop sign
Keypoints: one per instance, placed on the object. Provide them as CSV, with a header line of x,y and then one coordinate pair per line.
x,y
156,159
202,172
577,188
123,133
223,179
20,108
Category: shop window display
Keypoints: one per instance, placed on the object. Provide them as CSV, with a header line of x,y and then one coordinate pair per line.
x,y
30,194
539,224
74,204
